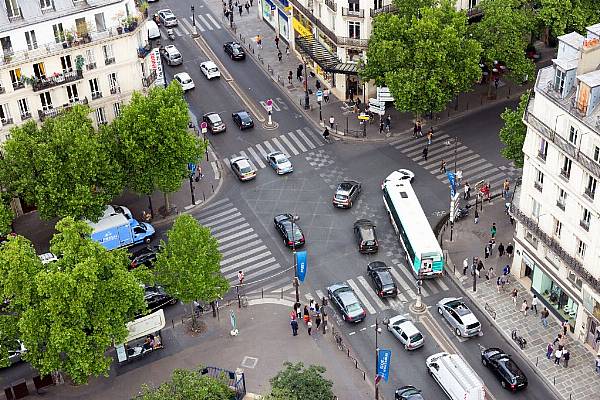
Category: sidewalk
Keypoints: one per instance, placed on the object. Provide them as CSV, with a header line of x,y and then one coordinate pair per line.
x,y
248,26
262,328
578,381
40,232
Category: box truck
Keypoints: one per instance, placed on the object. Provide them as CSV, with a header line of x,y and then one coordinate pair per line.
x,y
455,377
117,230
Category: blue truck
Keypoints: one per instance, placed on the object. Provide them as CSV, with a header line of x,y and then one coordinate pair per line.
x,y
120,230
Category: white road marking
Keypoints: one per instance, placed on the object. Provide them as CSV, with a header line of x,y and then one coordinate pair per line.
x,y
303,136
256,157
298,143
237,242
210,17
361,296
289,144
369,290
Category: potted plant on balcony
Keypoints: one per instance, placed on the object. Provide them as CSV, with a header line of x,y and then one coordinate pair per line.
x,y
132,21
143,6
69,37
79,61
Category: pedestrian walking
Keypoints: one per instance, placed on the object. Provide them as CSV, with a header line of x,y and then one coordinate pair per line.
x,y
290,75
415,129
565,326
509,250
467,190
429,136
514,296
498,284
331,121
326,95
388,123
306,314
381,127
317,308
491,246
425,151
493,230
277,42
318,84
465,265
309,327
557,356
240,275
534,304
279,55
598,364
294,324
311,305
486,252
299,72
505,188
287,50
544,314
241,9
549,350
443,167
491,273
247,6
297,309
524,307
506,270
500,250
476,216
293,315
251,3
318,321
419,129
479,268
566,356
259,41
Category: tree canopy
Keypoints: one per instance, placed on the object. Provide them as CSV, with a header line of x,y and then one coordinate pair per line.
x,y
6,218
425,58
513,133
63,166
70,311
155,145
295,382
189,385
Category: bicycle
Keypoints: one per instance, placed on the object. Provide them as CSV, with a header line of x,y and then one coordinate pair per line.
x,y
339,341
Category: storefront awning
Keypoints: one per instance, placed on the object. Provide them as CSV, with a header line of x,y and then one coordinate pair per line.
x,y
328,61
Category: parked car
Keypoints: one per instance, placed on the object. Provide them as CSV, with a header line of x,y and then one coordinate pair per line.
x,y
156,298
380,274
346,193
279,162
506,370
167,18
400,174
346,301
406,332
455,376
16,349
170,54
242,168
214,122
408,393
242,119
234,50
47,258
210,70
143,256
364,231
459,316
185,80
289,230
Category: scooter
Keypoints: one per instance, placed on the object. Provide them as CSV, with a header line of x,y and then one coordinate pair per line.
x,y
171,34
461,213
521,341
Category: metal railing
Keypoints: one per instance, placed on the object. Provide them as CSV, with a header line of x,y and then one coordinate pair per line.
x,y
346,12
390,8
56,80
348,41
331,4
53,112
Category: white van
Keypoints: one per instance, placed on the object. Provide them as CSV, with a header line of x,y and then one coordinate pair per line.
x,y
153,31
455,377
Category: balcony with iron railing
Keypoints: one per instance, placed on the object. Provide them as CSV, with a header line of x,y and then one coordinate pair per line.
x,y
571,262
96,95
115,90
2,90
352,42
584,224
16,15
542,155
53,112
109,60
589,193
565,174
346,12
538,186
56,80
332,5
25,116
298,6
6,121
561,204
390,8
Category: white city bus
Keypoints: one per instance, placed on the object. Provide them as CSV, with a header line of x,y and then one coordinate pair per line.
x,y
412,227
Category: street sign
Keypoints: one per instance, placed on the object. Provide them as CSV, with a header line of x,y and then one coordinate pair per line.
x,y
203,127
383,363
376,107
269,106
454,204
301,265
452,181
363,117
383,94
319,95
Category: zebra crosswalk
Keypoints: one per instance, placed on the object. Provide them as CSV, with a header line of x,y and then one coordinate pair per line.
x,y
240,245
204,22
291,143
474,167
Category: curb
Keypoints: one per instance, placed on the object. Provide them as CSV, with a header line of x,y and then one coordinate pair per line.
x,y
493,324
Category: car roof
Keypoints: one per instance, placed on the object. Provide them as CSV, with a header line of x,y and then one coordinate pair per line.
x,y
209,64
364,222
239,159
278,155
242,113
407,325
348,297
338,285
165,11
213,115
183,75
171,47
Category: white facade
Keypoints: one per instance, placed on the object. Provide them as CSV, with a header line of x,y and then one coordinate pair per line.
x,y
56,53
556,240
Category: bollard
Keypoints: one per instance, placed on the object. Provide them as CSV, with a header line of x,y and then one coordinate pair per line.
x,y
282,293
509,91
203,196
356,364
348,352
554,380
536,361
212,187
172,324
364,376
262,293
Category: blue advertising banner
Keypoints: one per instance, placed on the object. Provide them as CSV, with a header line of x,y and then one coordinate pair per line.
x,y
452,180
383,363
301,265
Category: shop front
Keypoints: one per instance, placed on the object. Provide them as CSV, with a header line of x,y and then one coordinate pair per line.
x,y
552,295
275,13
592,318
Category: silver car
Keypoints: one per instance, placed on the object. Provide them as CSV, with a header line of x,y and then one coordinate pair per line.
x,y
346,193
167,18
459,316
406,332
342,295
279,162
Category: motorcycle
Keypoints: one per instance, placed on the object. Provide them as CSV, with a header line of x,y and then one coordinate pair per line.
x,y
461,213
171,34
521,341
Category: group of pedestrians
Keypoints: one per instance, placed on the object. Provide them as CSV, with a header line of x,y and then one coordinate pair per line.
x,y
311,311
228,10
556,350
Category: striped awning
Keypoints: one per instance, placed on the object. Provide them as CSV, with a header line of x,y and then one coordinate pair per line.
x,y
328,61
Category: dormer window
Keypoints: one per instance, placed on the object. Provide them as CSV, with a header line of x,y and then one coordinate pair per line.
x,y
583,98
45,4
559,80
12,9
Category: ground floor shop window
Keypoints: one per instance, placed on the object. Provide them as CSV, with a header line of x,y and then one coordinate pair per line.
x,y
554,296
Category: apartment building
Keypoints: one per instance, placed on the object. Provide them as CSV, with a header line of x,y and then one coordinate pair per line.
x,y
558,229
331,35
57,53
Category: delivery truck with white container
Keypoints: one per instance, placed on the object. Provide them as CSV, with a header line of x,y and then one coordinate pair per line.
x,y
458,380
120,229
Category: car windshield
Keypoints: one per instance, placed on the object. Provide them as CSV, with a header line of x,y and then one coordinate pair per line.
x,y
350,308
185,79
245,169
416,337
341,196
214,69
386,279
281,160
368,234
511,367
214,118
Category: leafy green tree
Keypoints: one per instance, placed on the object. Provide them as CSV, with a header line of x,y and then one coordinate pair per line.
x,y
410,8
295,382
154,142
513,133
583,13
6,218
78,305
504,34
63,167
554,16
189,385
188,266
425,59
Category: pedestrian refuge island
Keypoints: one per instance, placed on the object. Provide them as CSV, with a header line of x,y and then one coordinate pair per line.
x,y
144,337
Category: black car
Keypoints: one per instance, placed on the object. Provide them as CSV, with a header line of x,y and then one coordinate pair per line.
x,y
285,225
242,119
214,122
510,375
345,193
156,298
408,393
382,279
364,231
235,50
143,256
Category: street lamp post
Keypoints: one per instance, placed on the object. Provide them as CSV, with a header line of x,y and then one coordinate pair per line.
x,y
195,30
376,357
306,97
296,282
320,111
231,13
192,189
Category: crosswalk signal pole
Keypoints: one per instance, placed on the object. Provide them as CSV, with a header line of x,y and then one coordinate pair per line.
x,y
195,30
376,358
296,282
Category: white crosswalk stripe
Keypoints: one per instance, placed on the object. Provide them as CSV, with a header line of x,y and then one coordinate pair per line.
x,y
185,26
289,143
371,292
320,294
215,23
361,296
203,23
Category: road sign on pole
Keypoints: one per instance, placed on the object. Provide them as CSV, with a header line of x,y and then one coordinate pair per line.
x,y
203,126
319,95
269,105
454,204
